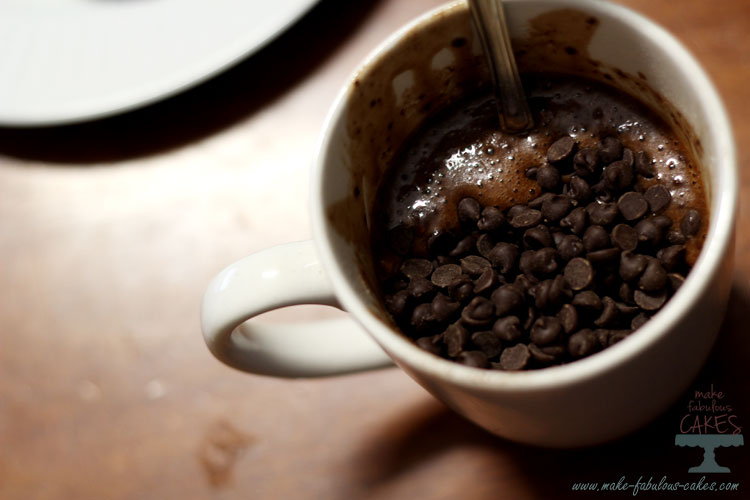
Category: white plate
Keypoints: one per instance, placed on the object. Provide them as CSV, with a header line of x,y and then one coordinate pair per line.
x,y
73,60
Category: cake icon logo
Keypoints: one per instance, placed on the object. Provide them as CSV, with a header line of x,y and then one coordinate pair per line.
x,y
710,423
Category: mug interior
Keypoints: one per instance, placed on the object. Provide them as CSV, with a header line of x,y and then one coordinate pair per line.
x,y
436,60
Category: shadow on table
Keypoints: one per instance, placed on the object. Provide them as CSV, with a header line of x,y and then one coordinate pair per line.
x,y
203,110
495,468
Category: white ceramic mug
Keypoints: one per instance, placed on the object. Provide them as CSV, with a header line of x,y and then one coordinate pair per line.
x,y
585,402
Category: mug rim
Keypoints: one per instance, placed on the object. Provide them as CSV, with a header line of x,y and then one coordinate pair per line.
x,y
722,210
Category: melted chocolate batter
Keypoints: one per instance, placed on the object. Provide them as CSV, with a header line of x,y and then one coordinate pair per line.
x,y
460,152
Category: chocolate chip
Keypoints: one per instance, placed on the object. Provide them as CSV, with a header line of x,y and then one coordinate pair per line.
x,y
609,280
422,318
691,223
464,246
416,268
579,189
492,219
617,176
658,198
503,256
507,298
561,149
575,221
420,288
469,211
526,262
553,350
397,302
675,237
609,312
455,338
611,150
517,209
596,238
488,342
458,281
578,273
582,343
671,257
603,193
556,207
543,357
508,328
545,330
547,260
617,335
650,301
557,236
638,320
445,275
462,292
476,359
649,232
625,292
536,204
624,237
632,205
602,214
479,312
568,317
474,265
514,358
587,300
643,165
431,344
628,157
626,175
485,243
486,281
602,336
531,316
539,262
625,309
632,265
663,221
604,255
675,281
654,277
537,237
586,162
443,308
550,293
570,246
548,178
526,218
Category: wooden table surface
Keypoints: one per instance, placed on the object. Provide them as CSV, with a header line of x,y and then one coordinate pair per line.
x,y
112,229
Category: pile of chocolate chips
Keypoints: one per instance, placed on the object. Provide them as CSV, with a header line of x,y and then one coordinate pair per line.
x,y
571,272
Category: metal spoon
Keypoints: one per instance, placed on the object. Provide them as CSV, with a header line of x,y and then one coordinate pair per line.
x,y
513,110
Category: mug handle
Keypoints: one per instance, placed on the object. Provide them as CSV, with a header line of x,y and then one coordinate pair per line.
x,y
284,275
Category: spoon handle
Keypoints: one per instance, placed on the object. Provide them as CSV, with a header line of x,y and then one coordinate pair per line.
x,y
489,20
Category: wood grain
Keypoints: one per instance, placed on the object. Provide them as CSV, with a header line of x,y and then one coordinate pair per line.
x,y
112,229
